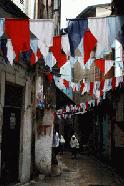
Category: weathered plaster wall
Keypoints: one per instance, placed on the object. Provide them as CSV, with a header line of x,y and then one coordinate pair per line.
x,y
43,144
17,75
2,91
25,154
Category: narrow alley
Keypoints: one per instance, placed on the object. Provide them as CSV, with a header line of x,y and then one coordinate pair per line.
x,y
61,93
83,171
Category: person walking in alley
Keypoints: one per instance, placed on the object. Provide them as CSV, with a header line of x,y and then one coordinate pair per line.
x,y
56,141
74,146
62,142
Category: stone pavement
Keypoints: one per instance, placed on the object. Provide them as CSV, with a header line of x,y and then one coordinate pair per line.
x,y
84,171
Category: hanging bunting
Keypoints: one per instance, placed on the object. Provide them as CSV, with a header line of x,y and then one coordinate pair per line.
x,y
61,58
33,58
108,65
87,105
100,63
89,45
18,31
76,30
82,87
91,88
50,77
102,82
1,27
44,31
66,83
39,55
10,52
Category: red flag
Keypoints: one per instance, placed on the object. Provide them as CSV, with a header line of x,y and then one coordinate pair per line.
x,y
86,105
39,55
91,88
89,44
82,87
18,31
61,58
100,63
66,83
102,82
32,58
50,77
74,90
113,83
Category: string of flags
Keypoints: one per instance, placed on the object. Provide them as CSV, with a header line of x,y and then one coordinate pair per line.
x,y
28,38
69,110
88,41
83,38
96,88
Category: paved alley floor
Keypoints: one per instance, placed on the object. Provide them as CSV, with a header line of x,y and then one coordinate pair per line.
x,y
84,171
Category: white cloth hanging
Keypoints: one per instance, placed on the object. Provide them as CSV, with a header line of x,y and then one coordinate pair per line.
x,y
44,31
1,27
99,29
10,52
108,65
65,44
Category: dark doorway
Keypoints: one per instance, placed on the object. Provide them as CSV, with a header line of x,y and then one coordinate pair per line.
x,y
11,133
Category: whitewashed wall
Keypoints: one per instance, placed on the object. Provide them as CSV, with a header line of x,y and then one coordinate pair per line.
x,y
43,145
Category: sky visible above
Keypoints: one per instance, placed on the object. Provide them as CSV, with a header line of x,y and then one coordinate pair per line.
x,y
71,8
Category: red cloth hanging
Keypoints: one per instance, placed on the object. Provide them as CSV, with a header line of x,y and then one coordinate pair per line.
x,y
39,55
91,88
100,63
50,77
32,58
82,87
113,83
86,105
74,90
102,83
89,44
66,83
61,58
18,31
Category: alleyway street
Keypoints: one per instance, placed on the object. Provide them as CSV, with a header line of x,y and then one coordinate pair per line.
x,y
84,171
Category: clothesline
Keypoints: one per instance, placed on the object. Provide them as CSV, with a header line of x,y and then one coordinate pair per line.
x,y
84,18
27,18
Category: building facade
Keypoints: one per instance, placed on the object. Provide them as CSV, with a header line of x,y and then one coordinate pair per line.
x,y
26,6
26,139
104,132
16,88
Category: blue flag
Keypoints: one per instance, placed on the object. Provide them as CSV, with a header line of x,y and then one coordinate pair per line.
x,y
76,30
